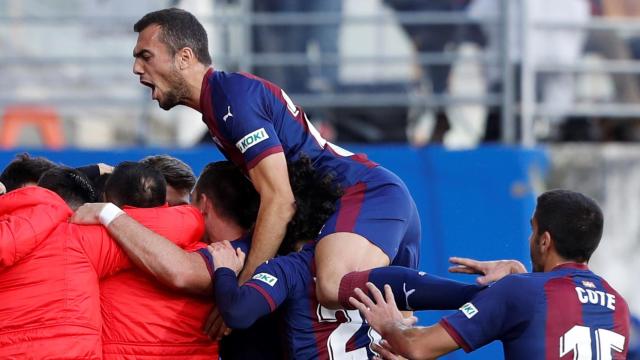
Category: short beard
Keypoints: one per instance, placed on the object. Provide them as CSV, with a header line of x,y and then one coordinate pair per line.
x,y
177,92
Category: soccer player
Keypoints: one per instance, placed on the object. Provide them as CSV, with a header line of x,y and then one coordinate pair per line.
x,y
561,309
50,304
178,175
258,127
142,318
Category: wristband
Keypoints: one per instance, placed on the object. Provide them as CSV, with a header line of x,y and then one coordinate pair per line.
x,y
109,213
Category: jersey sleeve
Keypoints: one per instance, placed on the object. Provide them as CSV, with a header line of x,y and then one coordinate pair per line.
x,y
250,127
242,306
102,251
495,313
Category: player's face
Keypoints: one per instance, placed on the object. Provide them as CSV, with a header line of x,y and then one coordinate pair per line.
x,y
534,247
156,67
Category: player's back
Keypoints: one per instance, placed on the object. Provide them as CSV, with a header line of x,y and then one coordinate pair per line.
x,y
566,313
143,318
313,331
581,316
250,118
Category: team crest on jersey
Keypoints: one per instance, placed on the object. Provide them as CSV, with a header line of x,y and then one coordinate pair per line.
x,y
588,284
251,139
469,310
266,278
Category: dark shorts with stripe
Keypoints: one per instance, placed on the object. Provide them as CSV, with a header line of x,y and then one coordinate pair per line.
x,y
381,209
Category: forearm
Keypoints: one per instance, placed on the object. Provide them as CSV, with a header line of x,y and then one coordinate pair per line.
x,y
418,342
163,259
240,306
271,225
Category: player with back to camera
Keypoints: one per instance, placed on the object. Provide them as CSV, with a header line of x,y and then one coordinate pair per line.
x,y
562,308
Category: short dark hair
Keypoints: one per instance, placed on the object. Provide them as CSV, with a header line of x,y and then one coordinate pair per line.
x,y
315,197
573,220
24,169
136,184
180,29
233,195
70,184
176,173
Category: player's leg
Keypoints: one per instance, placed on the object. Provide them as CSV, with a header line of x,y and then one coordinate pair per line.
x,y
412,289
339,254
367,231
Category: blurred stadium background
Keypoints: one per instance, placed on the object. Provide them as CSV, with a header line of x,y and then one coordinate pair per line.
x,y
479,105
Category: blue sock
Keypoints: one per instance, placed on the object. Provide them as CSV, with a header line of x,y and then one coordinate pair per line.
x,y
412,290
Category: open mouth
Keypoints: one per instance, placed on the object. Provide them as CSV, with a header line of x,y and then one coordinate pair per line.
x,y
150,85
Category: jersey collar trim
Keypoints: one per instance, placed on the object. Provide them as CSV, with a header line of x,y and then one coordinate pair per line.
x,y
572,265
205,86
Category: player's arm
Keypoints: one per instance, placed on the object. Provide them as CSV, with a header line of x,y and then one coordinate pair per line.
x,y
241,306
403,339
150,251
277,206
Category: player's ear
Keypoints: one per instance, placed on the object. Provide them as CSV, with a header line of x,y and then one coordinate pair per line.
x,y
545,241
185,57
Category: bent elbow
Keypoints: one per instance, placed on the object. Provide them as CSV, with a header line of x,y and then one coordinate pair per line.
x,y
236,319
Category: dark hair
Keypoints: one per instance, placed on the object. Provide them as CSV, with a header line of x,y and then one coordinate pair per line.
x,y
70,184
180,29
24,169
176,173
99,185
573,220
315,197
233,195
136,184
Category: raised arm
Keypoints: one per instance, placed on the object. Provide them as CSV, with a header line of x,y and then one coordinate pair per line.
x,y
277,206
150,251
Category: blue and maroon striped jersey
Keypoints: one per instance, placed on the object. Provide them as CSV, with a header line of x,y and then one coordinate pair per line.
x,y
313,331
567,313
250,118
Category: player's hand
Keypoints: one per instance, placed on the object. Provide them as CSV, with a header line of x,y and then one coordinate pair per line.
x,y
224,255
384,351
214,327
104,168
380,311
491,271
88,214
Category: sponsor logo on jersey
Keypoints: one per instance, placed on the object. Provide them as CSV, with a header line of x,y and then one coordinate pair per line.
x,y
469,310
251,139
266,278
588,284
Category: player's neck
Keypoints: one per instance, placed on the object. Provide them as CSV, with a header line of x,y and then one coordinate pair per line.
x,y
194,83
227,231
556,260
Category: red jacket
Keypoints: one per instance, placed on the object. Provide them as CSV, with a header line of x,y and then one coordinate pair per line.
x,y
27,216
144,319
50,304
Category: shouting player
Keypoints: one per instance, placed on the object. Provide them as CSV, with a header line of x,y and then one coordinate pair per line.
x,y
258,127
562,308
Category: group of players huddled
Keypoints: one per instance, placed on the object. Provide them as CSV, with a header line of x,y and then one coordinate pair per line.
x,y
158,279
280,252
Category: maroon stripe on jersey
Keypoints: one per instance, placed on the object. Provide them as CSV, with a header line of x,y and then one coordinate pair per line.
x,y
564,311
621,320
272,150
350,205
277,92
320,331
454,335
272,304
